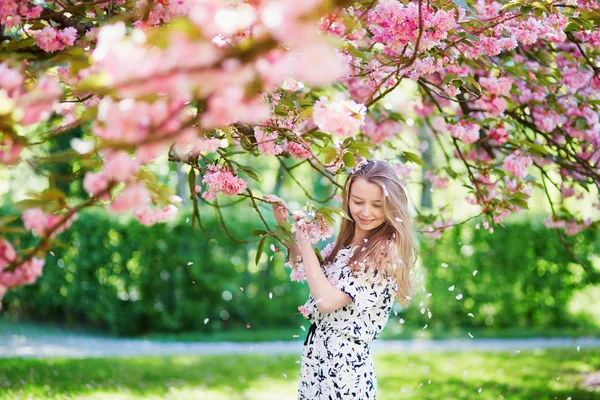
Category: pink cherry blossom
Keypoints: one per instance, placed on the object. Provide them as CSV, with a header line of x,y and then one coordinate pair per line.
x,y
310,226
40,223
267,143
304,311
133,196
39,103
339,117
220,179
50,39
94,183
7,253
467,132
297,150
379,131
120,166
230,105
517,164
10,150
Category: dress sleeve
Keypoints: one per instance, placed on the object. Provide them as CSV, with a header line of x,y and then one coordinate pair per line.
x,y
364,291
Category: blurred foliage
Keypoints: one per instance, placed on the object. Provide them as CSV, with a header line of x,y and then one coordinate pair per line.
x,y
524,276
131,279
127,279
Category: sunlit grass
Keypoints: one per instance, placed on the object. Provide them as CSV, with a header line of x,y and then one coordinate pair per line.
x,y
526,375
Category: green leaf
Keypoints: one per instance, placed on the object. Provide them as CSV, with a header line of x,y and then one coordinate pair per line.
x,y
519,203
464,4
259,251
349,160
413,158
330,153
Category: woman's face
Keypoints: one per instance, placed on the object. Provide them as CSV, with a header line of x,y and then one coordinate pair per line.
x,y
366,206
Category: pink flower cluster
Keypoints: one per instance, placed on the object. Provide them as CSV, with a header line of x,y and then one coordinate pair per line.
x,y
26,273
297,150
397,25
310,226
339,117
267,143
220,179
378,131
40,223
230,105
571,227
50,39
135,195
10,150
12,13
438,182
517,164
467,132
149,216
33,105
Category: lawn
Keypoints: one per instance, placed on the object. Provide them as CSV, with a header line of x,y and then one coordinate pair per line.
x,y
540,374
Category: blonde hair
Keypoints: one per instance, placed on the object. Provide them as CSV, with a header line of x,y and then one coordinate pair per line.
x,y
390,248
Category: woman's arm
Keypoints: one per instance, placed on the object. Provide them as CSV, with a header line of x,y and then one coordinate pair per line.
x,y
328,297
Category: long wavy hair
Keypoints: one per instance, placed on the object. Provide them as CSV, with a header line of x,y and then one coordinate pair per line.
x,y
390,248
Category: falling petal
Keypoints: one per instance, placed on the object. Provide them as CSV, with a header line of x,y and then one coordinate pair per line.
x,y
194,282
190,263
284,375
465,373
428,314
270,295
423,310
401,321
429,295
272,247
460,296
471,315
52,253
420,384
474,272
303,328
425,327
187,220
451,288
206,321
578,347
480,390
295,336
444,265
518,351
241,288
471,336
248,326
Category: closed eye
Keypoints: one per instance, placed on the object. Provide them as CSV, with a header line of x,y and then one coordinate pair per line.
x,y
359,203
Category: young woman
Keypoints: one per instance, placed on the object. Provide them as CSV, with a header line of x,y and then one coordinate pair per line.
x,y
352,293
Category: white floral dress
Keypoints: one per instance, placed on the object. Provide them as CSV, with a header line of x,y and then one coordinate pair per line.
x,y
336,360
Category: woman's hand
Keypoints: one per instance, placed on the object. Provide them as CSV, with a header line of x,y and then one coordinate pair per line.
x,y
280,208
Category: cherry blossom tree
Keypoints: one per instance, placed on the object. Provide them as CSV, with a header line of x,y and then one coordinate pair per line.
x,y
508,89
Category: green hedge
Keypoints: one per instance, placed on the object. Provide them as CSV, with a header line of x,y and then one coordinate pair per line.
x,y
127,278
524,278
131,279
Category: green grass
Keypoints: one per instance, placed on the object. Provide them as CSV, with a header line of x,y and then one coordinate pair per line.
x,y
527,375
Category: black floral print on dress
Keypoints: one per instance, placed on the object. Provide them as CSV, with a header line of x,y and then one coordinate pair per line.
x,y
336,360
